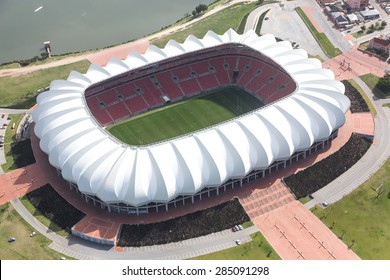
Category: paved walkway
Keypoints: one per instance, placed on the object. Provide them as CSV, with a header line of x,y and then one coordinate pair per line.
x,y
295,233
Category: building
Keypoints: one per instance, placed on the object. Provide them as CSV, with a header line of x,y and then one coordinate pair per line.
x,y
380,45
339,19
353,18
370,14
306,106
327,2
357,5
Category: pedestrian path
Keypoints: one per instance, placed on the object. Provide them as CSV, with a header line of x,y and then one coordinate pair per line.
x,y
374,158
296,234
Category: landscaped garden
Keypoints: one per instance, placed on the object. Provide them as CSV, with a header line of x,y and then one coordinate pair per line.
x,y
52,210
200,223
317,176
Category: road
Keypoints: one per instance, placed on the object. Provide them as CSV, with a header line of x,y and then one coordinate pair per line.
x,y
286,24
85,250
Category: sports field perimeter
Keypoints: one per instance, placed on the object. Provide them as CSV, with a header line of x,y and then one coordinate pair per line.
x,y
185,116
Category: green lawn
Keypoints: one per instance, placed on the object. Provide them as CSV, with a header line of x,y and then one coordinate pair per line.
x,y
9,138
257,249
365,97
219,22
184,117
321,38
25,247
15,91
371,80
361,219
386,105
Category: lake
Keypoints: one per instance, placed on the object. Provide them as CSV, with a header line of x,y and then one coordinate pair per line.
x,y
79,25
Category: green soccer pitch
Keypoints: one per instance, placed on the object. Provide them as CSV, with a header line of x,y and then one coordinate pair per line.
x,y
186,116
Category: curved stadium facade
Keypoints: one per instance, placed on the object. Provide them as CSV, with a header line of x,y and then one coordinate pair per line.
x,y
305,106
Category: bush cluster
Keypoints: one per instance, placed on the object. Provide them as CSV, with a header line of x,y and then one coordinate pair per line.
x,y
197,224
358,104
54,207
22,153
317,176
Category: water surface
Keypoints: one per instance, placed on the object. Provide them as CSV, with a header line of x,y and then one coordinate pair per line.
x,y
78,25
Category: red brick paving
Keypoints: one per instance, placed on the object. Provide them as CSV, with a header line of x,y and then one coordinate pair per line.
x,y
295,233
17,183
359,62
309,13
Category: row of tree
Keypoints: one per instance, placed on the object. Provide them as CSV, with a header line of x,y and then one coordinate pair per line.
x,y
199,9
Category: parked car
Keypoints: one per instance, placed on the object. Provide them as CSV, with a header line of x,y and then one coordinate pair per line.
x,y
325,204
11,239
33,234
240,227
238,242
234,229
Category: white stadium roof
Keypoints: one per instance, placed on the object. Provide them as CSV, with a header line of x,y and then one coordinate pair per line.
x,y
114,172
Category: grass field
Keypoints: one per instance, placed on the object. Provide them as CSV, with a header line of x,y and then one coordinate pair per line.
x,y
185,117
257,249
220,22
371,80
361,219
25,247
9,138
20,91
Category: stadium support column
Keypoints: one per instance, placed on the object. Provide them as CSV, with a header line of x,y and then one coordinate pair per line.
x,y
241,182
166,207
192,199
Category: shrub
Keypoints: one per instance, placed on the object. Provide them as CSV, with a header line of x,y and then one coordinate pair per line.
x,y
200,223
317,176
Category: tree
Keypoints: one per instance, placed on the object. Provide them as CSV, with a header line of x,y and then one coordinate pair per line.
x,y
363,27
384,84
384,23
201,8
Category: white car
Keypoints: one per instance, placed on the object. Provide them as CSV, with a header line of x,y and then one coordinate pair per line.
x,y
238,242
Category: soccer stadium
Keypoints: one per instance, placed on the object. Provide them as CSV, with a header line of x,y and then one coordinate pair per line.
x,y
187,121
